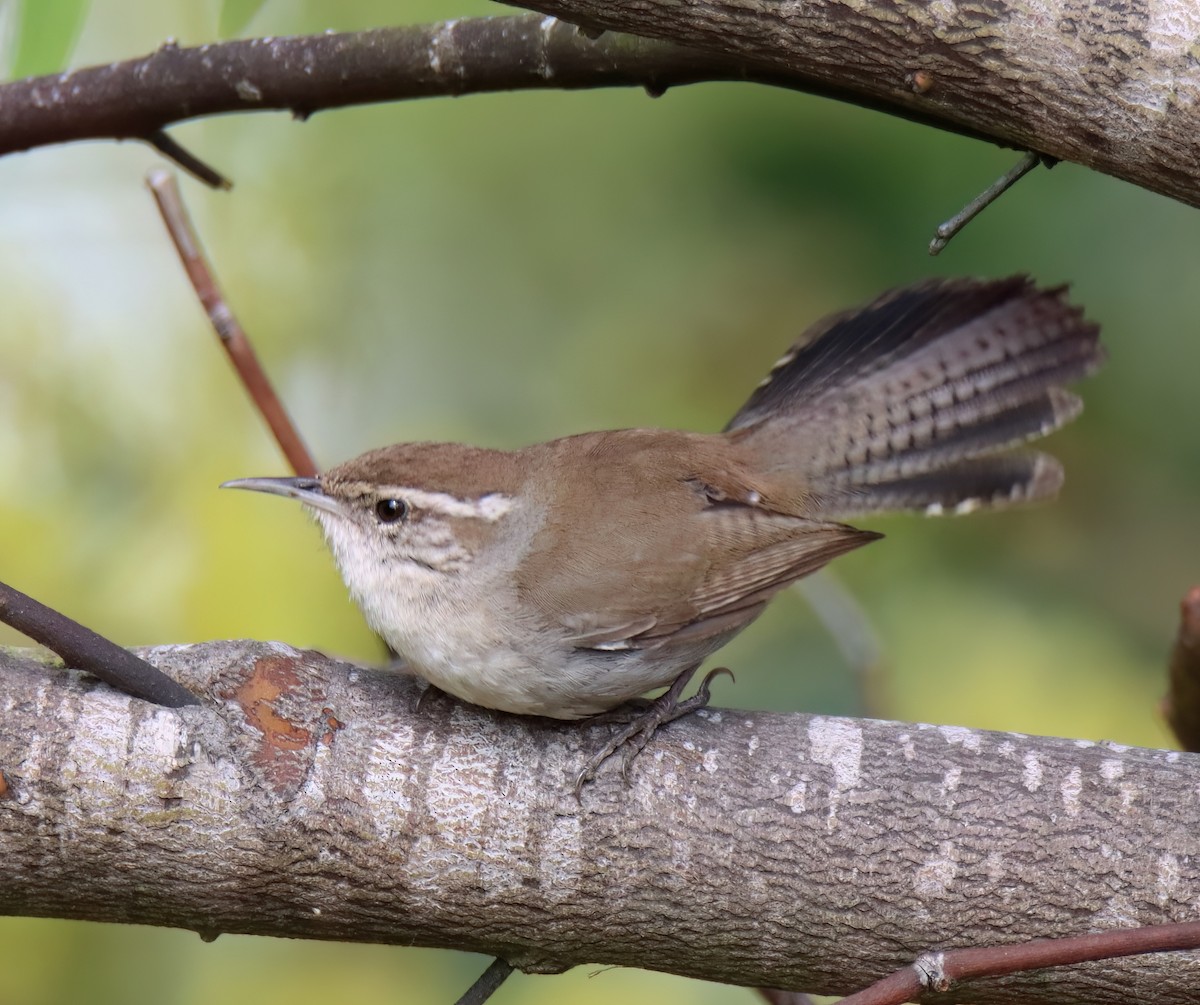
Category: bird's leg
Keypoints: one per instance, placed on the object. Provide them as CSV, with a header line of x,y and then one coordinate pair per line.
x,y
667,707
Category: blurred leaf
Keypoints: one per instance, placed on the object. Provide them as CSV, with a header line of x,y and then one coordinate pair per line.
x,y
235,15
46,33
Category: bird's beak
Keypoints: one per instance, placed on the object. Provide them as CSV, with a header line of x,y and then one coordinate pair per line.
x,y
306,490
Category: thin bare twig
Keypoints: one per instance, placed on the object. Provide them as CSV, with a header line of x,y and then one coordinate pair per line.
x,y
940,972
1181,707
187,160
233,338
989,195
487,984
82,649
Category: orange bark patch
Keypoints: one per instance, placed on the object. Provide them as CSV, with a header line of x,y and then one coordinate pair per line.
x,y
270,679
334,725
284,753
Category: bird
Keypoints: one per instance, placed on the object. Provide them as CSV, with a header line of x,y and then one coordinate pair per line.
x,y
568,578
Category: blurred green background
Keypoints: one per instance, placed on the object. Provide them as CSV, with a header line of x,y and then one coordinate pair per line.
x,y
514,267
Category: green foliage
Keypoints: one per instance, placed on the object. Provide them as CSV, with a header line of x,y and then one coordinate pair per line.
x,y
236,15
46,32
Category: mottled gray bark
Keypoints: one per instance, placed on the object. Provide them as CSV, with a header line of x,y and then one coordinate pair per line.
x,y
1110,84
307,798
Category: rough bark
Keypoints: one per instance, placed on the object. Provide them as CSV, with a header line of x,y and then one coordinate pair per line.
x,y
307,798
1109,84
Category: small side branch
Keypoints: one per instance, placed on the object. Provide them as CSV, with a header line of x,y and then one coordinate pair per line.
x,y
82,649
989,195
225,324
488,984
941,972
187,160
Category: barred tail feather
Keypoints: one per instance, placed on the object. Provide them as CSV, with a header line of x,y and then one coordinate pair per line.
x,y
901,404
983,483
1003,425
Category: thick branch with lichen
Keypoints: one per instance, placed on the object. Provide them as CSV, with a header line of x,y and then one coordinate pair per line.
x,y
306,798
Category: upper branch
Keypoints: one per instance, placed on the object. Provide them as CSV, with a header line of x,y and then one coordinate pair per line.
x,y
1107,85
137,98
305,798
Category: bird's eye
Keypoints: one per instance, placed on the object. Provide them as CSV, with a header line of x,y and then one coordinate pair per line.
x,y
391,510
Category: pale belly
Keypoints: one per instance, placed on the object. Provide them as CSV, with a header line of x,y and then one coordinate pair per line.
x,y
585,683
471,647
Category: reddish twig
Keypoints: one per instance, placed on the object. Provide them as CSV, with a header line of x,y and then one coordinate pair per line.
x,y
82,649
1181,707
940,972
233,338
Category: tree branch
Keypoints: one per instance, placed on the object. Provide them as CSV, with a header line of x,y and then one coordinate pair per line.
x,y
1114,91
1109,85
306,799
944,971
137,98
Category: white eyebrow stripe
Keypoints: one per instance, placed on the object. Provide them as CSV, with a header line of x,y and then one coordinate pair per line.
x,y
490,507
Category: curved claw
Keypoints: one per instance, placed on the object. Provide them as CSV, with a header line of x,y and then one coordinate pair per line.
x,y
585,775
667,707
633,747
706,684
635,736
626,764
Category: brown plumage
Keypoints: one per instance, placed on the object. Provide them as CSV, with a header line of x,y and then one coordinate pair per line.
x,y
566,577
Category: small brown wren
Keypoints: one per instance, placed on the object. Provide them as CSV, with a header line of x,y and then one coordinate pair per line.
x,y
568,577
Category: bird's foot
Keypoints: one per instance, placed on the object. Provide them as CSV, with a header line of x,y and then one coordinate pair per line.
x,y
643,722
